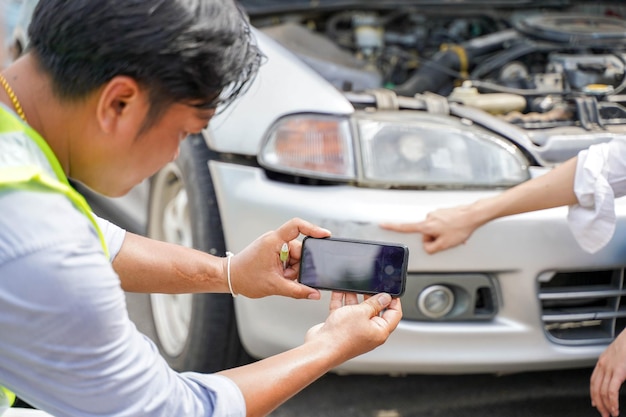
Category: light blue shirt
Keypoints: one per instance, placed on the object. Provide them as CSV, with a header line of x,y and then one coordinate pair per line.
x,y
67,345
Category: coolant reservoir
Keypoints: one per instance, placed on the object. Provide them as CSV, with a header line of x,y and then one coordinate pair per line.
x,y
494,103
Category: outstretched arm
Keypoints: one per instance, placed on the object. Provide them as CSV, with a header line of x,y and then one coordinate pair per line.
x,y
147,265
349,331
449,227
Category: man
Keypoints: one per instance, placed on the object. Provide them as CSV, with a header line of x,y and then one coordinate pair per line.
x,y
104,96
588,184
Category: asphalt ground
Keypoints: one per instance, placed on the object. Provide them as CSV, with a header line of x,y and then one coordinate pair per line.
x,y
537,394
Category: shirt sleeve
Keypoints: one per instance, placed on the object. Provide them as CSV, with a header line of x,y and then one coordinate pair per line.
x,y
600,178
113,235
68,346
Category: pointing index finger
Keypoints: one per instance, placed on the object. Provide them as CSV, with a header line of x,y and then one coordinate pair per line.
x,y
403,227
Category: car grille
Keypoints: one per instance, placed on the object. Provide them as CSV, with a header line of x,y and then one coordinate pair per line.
x,y
581,308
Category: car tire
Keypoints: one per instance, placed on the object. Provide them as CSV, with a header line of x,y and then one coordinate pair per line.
x,y
193,332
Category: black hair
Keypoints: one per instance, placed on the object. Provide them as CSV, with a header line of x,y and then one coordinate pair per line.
x,y
198,52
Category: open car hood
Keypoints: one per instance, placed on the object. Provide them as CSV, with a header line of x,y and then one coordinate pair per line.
x,y
255,7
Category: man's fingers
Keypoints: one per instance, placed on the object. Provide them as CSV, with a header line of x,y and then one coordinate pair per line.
x,y
339,299
296,226
393,314
336,300
296,290
295,252
350,299
378,303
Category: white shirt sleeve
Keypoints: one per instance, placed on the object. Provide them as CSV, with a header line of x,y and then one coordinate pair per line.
x,y
113,236
600,178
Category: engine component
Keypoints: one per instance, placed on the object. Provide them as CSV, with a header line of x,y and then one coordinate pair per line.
x,y
368,34
494,103
582,71
535,67
448,64
558,114
339,67
575,29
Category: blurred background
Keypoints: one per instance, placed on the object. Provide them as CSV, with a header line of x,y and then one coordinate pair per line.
x,y
10,14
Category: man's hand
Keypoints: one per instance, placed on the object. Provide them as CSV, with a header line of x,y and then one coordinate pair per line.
x,y
442,229
608,376
354,328
350,330
257,271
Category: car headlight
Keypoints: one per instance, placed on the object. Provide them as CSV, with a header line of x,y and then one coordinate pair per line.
x,y
311,145
421,149
393,149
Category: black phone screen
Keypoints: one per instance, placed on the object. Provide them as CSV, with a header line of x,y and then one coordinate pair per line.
x,y
354,265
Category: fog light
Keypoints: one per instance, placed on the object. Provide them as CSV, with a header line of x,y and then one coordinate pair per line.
x,y
435,301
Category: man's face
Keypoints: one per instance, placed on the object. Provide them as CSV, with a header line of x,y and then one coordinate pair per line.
x,y
130,160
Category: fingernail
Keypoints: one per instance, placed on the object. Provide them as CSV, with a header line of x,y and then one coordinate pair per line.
x,y
384,299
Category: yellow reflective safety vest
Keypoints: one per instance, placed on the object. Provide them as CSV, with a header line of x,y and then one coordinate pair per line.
x,y
7,398
28,163
36,168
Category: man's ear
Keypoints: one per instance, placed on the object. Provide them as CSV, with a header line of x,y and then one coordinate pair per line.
x,y
122,106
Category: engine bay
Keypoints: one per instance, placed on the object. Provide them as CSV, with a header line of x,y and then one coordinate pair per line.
x,y
533,68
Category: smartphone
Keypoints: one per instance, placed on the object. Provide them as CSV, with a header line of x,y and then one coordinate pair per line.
x,y
357,266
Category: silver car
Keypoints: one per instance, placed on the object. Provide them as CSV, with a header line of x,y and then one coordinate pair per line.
x,y
367,112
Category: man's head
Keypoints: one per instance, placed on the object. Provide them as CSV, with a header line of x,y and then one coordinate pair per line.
x,y
142,74
185,51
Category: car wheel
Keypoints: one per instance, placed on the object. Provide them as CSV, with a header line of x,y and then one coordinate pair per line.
x,y
193,331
